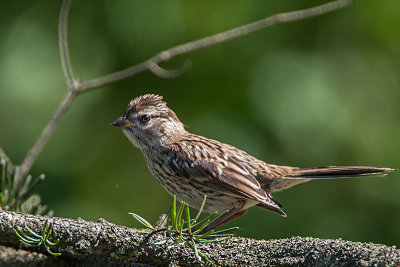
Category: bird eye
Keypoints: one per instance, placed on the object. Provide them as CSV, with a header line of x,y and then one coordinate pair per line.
x,y
145,118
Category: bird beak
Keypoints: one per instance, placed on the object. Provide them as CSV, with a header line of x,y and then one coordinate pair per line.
x,y
122,122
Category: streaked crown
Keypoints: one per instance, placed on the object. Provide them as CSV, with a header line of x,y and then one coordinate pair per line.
x,y
148,121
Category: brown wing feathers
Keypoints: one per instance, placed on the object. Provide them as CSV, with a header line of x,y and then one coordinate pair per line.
x,y
232,176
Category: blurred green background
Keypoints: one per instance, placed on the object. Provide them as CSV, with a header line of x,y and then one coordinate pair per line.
x,y
323,91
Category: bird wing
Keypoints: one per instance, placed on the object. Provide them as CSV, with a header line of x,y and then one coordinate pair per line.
x,y
216,170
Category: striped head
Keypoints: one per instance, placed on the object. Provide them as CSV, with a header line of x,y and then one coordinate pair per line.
x,y
148,121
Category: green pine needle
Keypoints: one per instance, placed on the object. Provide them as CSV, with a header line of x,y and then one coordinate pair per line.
x,y
142,221
37,240
181,228
201,208
15,192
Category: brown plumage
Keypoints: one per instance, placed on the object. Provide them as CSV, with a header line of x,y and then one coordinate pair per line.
x,y
191,166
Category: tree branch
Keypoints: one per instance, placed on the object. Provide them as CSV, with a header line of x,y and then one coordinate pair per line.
x,y
80,240
215,39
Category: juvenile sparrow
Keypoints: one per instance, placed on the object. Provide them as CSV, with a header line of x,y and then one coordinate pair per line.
x,y
191,166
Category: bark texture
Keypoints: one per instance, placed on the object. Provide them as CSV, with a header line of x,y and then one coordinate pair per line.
x,y
84,243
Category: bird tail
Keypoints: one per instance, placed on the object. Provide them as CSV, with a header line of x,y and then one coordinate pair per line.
x,y
296,176
301,175
331,172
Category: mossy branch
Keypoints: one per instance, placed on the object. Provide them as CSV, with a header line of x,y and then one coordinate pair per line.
x,y
82,241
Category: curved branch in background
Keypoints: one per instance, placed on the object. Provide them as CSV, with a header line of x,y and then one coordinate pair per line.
x,y
169,74
215,39
82,240
73,86
151,64
63,43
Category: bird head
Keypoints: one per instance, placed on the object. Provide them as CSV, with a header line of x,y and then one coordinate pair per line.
x,y
148,121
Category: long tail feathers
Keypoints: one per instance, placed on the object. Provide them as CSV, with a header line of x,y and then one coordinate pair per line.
x,y
337,172
301,175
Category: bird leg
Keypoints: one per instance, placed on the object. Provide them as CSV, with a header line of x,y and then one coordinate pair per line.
x,y
226,217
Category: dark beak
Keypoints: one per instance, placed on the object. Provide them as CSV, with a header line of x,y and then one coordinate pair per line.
x,y
122,122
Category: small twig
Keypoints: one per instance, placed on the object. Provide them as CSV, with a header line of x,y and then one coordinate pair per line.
x,y
63,43
215,39
169,74
73,86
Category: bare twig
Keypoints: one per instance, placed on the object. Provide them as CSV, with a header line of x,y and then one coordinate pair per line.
x,y
215,39
63,43
73,86
169,74
152,64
